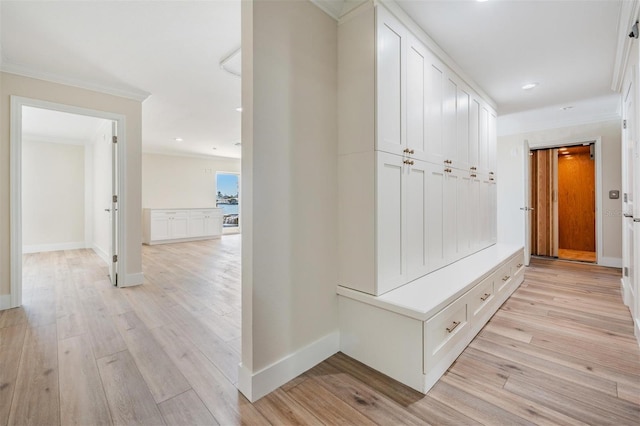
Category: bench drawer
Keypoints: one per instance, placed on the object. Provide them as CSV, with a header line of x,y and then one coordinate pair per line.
x,y
480,297
443,331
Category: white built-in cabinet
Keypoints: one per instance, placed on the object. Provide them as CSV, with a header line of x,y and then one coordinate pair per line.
x,y
417,158
174,225
420,272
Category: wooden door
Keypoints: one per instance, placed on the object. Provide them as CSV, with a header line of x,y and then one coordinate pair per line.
x,y
543,223
576,199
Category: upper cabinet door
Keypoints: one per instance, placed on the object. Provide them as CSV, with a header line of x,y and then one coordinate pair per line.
x,y
417,63
449,118
434,95
492,143
463,128
483,146
474,134
391,37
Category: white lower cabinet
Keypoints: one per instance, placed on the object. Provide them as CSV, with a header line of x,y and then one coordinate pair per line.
x,y
414,333
164,226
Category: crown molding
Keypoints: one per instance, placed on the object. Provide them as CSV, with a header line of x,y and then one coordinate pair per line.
x,y
629,10
26,71
337,8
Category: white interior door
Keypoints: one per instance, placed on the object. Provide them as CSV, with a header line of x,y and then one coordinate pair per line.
x,y
113,214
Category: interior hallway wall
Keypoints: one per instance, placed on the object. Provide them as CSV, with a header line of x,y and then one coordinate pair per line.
x,y
290,191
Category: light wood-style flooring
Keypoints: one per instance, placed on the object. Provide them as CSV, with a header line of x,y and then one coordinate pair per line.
x,y
560,351
578,255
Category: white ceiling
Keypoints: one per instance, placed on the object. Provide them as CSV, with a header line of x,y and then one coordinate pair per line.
x,y
568,47
170,51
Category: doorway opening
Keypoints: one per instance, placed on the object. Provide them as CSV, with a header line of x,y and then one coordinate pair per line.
x,y
65,184
228,199
563,198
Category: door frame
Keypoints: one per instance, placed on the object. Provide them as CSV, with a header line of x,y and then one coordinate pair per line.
x,y
597,141
15,200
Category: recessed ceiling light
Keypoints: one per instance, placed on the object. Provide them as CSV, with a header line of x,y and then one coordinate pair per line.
x,y
179,139
566,108
239,109
529,86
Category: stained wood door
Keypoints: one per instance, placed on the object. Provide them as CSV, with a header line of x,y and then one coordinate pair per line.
x,y
576,199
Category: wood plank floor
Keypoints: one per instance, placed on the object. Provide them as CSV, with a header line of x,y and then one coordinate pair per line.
x,y
560,351
577,255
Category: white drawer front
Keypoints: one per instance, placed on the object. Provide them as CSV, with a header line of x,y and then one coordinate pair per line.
x,y
443,331
480,297
502,279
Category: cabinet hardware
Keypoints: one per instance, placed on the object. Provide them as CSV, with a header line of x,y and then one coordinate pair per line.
x,y
506,277
409,162
447,170
448,162
407,151
474,175
491,179
411,151
474,168
485,297
518,265
491,173
455,324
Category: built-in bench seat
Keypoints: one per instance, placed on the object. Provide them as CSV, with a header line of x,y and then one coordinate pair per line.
x,y
415,332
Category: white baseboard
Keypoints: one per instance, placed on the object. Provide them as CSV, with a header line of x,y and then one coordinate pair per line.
x,y
612,262
636,329
256,385
5,301
39,248
101,253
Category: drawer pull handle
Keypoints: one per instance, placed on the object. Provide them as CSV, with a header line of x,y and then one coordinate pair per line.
x,y
485,297
506,277
455,324
519,265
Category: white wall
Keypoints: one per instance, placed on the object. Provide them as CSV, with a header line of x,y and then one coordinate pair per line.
x,y
510,166
53,196
170,181
289,190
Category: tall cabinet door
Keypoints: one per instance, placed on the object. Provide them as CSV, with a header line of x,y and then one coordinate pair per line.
x,y
474,134
434,97
391,38
450,214
417,61
435,221
449,121
417,226
463,213
390,222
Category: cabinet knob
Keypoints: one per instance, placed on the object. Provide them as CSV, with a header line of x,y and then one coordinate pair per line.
x,y
448,162
474,175
474,168
411,151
